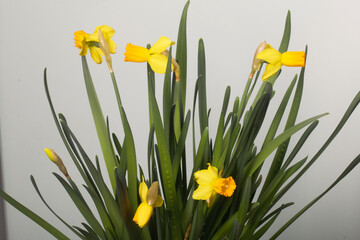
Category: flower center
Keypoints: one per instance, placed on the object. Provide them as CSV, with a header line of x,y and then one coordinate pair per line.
x,y
225,186
79,38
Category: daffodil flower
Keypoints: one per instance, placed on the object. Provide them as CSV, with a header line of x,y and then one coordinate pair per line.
x,y
85,41
275,60
210,183
149,199
153,56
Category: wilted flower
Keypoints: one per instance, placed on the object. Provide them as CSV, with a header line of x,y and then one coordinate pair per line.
x,y
275,60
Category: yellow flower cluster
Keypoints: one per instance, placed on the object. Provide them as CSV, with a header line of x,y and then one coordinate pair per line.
x,y
209,180
156,56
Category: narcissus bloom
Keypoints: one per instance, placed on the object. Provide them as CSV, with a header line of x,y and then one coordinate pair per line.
x,y
210,183
85,41
153,56
275,60
149,199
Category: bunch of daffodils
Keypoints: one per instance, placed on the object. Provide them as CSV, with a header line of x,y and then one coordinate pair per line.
x,y
228,194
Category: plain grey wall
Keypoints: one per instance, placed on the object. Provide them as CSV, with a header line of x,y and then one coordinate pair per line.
x,y
38,34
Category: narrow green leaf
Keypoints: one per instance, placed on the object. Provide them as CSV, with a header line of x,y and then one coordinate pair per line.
x,y
167,97
286,35
181,51
271,146
33,216
100,124
181,145
219,135
199,156
166,171
83,207
63,137
202,87
279,113
342,122
351,166
282,149
244,203
51,210
110,203
264,229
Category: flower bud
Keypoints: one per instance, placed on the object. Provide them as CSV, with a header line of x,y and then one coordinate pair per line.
x,y
153,193
104,46
57,160
257,62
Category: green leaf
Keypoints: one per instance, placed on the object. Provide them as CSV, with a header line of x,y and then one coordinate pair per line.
x,y
181,51
33,216
281,151
342,122
167,98
202,87
219,135
51,210
82,207
100,124
351,166
199,157
63,137
244,203
110,203
166,170
286,35
181,145
271,146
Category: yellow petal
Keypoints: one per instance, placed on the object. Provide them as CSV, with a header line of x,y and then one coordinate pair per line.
x,y
161,45
206,177
106,30
112,46
135,53
225,186
293,59
203,192
214,170
143,190
270,55
270,70
158,62
96,54
143,214
159,201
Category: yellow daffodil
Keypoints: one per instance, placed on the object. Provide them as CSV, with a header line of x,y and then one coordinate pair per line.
x,y
85,41
210,182
149,199
275,60
153,56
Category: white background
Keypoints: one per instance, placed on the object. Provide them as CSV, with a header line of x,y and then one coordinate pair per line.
x,y
38,34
